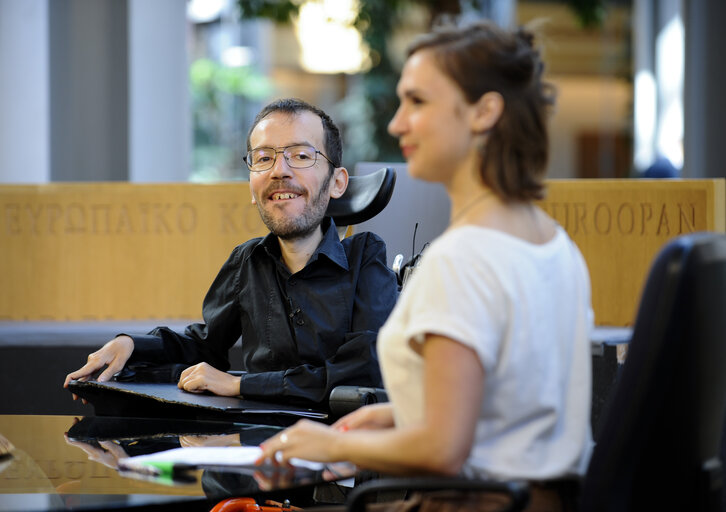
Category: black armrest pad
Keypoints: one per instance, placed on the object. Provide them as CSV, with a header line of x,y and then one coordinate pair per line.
x,y
345,399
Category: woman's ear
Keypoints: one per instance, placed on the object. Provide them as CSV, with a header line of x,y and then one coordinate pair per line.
x,y
487,111
339,182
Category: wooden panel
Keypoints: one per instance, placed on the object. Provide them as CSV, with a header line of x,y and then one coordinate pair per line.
x,y
93,251
119,251
619,225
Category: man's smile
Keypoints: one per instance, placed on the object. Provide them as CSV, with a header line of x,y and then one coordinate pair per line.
x,y
278,196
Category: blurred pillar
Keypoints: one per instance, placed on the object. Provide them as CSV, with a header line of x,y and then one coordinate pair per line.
x,y
705,83
88,90
159,109
645,96
658,61
24,92
93,91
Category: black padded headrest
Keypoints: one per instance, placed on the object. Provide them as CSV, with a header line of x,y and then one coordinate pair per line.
x,y
365,197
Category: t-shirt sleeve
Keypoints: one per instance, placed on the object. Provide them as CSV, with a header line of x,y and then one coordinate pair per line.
x,y
458,297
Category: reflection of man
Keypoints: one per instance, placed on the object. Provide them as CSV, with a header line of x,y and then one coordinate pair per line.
x,y
306,305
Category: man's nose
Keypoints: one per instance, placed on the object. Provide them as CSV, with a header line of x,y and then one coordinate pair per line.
x,y
280,169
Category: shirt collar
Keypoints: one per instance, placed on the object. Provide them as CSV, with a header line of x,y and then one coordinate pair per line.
x,y
329,246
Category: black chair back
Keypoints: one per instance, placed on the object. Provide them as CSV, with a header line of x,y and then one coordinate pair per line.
x,y
658,445
365,197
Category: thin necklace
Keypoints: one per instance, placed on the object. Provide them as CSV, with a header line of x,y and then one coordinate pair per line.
x,y
468,206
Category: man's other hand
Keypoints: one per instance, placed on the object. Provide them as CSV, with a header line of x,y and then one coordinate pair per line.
x,y
205,377
113,355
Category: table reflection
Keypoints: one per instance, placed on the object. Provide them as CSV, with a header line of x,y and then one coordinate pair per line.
x,y
62,462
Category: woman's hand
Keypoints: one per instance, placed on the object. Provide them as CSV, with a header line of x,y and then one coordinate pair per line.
x,y
315,441
371,417
306,439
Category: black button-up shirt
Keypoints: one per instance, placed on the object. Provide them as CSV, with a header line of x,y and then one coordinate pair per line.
x,y
302,334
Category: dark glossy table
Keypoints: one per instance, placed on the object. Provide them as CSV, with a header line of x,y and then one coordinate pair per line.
x,y
68,463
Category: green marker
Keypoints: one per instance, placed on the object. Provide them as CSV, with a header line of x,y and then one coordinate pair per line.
x,y
166,473
162,469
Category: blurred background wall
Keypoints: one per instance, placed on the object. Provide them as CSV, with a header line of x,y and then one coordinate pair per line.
x,y
97,90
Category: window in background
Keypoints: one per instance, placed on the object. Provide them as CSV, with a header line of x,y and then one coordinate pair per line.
x,y
591,67
227,87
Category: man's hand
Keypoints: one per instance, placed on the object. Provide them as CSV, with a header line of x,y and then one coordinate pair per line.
x,y
107,453
205,377
113,355
209,440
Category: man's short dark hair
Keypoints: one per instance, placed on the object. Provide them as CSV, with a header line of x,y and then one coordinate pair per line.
x,y
292,106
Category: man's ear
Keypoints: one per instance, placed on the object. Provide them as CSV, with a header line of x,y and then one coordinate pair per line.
x,y
487,111
339,182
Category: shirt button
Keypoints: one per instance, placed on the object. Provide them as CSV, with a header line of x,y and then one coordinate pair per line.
x,y
300,321
292,282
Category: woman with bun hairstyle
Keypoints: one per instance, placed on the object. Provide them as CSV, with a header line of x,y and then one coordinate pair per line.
x,y
486,355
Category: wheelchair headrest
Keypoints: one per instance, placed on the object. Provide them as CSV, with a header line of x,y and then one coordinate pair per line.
x,y
365,197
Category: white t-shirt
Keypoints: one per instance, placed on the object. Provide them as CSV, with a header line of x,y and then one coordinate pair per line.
x,y
525,309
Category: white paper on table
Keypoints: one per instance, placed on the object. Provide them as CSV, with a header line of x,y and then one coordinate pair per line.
x,y
206,456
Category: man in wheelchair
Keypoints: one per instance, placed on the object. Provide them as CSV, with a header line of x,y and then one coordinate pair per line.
x,y
306,305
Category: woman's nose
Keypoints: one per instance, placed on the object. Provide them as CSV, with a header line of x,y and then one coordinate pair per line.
x,y
395,126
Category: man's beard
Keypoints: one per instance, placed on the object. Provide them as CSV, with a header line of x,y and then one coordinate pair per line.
x,y
301,226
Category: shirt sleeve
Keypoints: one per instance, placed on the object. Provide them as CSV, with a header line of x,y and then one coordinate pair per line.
x,y
459,297
355,362
209,341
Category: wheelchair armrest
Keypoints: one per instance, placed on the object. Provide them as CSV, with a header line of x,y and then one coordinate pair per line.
x,y
361,494
345,399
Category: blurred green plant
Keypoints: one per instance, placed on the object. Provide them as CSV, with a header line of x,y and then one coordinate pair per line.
x,y
219,94
364,113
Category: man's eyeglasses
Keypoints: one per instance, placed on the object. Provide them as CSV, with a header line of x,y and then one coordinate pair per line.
x,y
297,157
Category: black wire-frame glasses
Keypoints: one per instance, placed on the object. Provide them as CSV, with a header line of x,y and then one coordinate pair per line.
x,y
298,156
